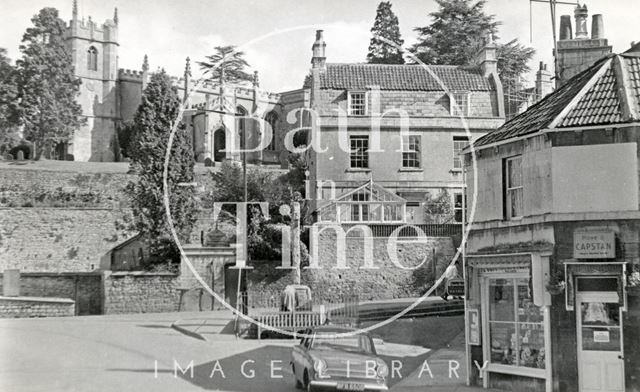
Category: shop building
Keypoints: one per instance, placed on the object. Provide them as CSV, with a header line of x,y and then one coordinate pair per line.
x,y
552,259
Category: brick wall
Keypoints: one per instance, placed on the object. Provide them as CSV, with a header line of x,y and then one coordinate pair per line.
x,y
11,307
140,292
83,288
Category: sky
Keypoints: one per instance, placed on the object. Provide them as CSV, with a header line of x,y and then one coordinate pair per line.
x,y
277,35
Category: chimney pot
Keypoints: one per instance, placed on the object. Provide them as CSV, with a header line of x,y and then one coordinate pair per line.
x,y
597,26
318,49
581,14
565,27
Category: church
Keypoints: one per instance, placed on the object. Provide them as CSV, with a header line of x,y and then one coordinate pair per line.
x,y
109,97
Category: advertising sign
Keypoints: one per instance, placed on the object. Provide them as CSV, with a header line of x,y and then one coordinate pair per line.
x,y
594,244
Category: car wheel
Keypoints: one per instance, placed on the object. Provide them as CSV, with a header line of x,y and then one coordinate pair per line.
x,y
298,383
307,384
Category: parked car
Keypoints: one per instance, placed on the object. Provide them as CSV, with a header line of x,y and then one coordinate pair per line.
x,y
333,358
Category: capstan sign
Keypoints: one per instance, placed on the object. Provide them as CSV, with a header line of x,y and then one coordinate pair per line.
x,y
594,244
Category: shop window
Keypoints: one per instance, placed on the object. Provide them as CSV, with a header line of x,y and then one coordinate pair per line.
x,y
411,151
357,103
513,187
359,157
459,143
516,328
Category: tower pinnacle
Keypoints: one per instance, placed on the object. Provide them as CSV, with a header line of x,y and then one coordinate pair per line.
x,y
74,13
115,15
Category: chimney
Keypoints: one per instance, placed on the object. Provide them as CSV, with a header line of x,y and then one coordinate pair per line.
x,y
487,57
597,27
575,54
566,32
581,14
319,59
543,82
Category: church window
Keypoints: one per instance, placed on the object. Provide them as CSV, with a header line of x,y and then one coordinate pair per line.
x,y
92,59
272,120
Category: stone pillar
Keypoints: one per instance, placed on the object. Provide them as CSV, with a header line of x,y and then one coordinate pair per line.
x,y
11,283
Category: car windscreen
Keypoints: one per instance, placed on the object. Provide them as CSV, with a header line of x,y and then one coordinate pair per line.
x,y
329,341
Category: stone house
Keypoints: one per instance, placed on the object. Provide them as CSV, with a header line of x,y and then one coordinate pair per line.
x,y
400,126
553,252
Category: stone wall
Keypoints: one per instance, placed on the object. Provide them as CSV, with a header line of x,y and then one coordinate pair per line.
x,y
389,280
329,284
11,307
21,187
83,288
140,292
57,239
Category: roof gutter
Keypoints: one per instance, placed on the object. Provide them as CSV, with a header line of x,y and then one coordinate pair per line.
x,y
544,131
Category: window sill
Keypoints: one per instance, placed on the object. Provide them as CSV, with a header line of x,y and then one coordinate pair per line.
x,y
455,171
516,370
357,170
411,169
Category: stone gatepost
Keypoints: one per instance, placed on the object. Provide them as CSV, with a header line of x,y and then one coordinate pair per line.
x,y
11,283
208,263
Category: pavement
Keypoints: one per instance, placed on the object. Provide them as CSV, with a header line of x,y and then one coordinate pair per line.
x,y
142,352
436,376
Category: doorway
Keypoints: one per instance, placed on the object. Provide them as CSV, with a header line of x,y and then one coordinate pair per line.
x,y
231,286
600,336
219,145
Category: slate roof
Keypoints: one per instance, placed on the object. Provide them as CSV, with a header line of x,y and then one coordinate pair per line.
x,y
590,98
405,77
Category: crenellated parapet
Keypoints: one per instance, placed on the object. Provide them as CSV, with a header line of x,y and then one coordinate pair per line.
x,y
89,30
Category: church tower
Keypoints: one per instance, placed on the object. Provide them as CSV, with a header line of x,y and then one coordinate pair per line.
x,y
94,52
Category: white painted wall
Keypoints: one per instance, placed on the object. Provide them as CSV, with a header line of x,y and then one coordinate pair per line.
x,y
595,178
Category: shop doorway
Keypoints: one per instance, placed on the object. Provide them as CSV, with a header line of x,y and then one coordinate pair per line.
x,y
599,326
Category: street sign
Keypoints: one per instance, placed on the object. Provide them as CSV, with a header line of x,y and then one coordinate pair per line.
x,y
456,287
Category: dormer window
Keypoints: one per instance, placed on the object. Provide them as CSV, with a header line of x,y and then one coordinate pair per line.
x,y
357,103
92,59
459,103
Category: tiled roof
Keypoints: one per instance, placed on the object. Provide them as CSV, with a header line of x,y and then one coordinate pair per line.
x,y
589,98
406,77
599,105
633,68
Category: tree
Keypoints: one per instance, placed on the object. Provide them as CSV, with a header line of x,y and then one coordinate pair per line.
x,y
263,236
148,146
226,65
385,29
456,35
9,136
47,87
439,209
513,62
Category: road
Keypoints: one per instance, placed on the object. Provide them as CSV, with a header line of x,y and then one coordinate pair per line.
x,y
138,353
